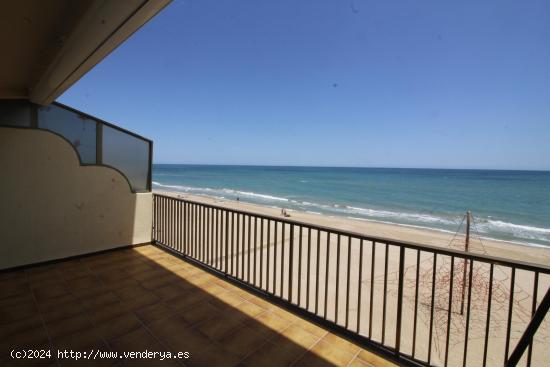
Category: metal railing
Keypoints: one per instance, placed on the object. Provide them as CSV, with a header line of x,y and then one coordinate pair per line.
x,y
416,304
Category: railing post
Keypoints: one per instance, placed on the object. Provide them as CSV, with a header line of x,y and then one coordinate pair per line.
x,y
290,261
226,238
529,333
399,300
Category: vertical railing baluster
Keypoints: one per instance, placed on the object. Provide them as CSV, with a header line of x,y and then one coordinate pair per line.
x,y
432,305
326,274
415,317
317,272
359,285
226,240
308,266
233,237
290,262
275,257
384,293
488,321
255,249
300,267
467,327
337,297
449,311
249,248
268,263
283,243
510,307
399,300
262,253
348,280
533,309
371,300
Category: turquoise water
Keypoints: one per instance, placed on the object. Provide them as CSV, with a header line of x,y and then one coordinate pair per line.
x,y
507,205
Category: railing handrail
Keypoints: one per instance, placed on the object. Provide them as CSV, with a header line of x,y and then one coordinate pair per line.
x,y
411,245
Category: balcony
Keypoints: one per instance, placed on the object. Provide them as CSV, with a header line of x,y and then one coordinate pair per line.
x,y
145,298
414,304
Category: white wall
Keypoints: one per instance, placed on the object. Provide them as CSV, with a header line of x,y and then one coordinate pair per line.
x,y
51,207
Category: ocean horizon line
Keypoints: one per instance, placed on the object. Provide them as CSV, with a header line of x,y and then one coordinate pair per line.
x,y
351,167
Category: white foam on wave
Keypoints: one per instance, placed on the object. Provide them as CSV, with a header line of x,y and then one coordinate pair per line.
x,y
520,231
518,227
210,191
414,217
254,194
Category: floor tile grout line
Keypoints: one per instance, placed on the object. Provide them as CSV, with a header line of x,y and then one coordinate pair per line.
x,y
50,340
145,327
356,355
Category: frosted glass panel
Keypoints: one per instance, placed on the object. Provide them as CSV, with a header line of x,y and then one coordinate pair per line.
x,y
128,154
78,129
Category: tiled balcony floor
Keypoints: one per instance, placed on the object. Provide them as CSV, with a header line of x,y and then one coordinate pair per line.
x,y
144,298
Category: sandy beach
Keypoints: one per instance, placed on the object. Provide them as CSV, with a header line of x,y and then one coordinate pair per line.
x,y
367,294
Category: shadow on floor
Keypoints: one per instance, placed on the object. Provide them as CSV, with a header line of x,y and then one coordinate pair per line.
x,y
146,299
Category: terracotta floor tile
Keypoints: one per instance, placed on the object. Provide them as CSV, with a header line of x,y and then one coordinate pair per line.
x,y
50,291
199,312
220,326
106,312
100,300
158,282
312,328
268,324
129,292
298,336
341,343
68,325
213,288
359,363
250,309
118,326
14,327
213,355
170,291
274,355
169,326
184,340
84,282
10,289
154,312
64,311
136,340
374,359
145,298
229,298
324,354
140,302
185,301
242,341
13,300
17,312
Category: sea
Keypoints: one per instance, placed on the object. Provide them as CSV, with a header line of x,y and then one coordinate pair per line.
x,y
506,205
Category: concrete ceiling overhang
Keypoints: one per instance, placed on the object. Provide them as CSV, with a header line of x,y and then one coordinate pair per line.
x,y
47,45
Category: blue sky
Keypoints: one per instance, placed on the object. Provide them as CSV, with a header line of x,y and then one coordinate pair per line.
x,y
461,84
